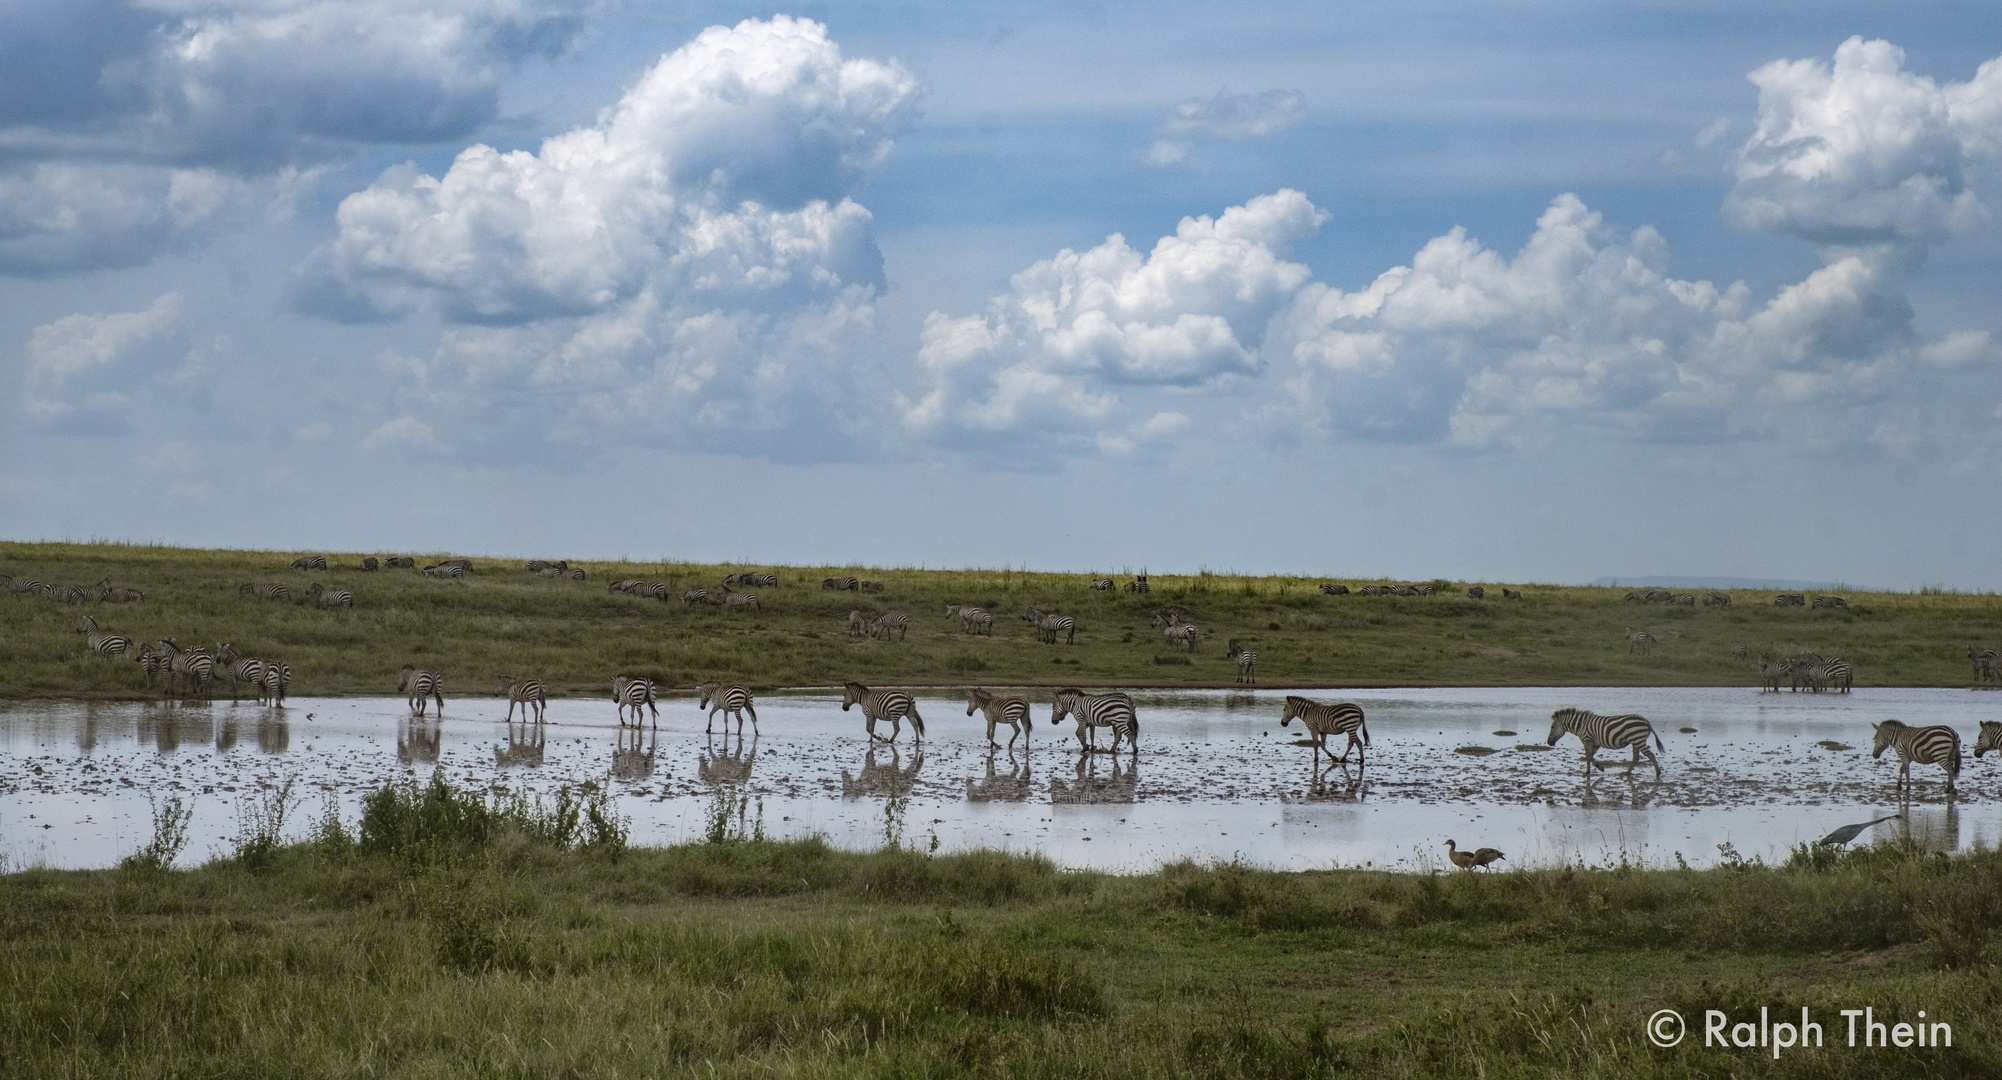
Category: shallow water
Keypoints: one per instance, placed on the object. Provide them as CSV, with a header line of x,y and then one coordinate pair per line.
x,y
1216,776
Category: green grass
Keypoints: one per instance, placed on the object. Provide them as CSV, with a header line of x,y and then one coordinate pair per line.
x,y
473,950
576,636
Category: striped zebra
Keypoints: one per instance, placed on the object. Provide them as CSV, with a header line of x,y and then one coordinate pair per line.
x,y
1835,673
631,693
421,688
693,597
265,590
1830,602
1321,721
644,590
888,621
1790,600
1511,594
577,574
277,677
840,584
1610,732
1330,589
1741,650
1639,639
1683,599
109,646
67,594
1101,584
400,562
536,566
331,597
552,572
528,693
1771,672
972,620
1713,598
1375,590
1989,739
621,585
149,662
1935,745
1986,662
20,585
242,669
1169,616
445,570
1247,662
371,564
1181,634
891,705
310,562
732,700
1805,669
194,665
1094,711
738,601
858,624
1048,626
463,564
1012,711
1138,584
1477,592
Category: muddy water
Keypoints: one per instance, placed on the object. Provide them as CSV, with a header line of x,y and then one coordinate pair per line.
x,y
1216,776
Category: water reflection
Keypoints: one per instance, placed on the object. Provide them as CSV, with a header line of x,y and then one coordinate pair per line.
x,y
632,756
524,746
226,734
274,735
1090,787
168,728
1325,787
419,739
882,778
1016,786
729,766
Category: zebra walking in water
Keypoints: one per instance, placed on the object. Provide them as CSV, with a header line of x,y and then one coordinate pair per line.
x,y
1610,732
277,677
1934,745
422,687
1247,662
730,700
631,693
196,666
1094,711
1639,639
1012,711
1771,672
528,693
242,669
1989,739
891,705
888,621
1321,721
109,646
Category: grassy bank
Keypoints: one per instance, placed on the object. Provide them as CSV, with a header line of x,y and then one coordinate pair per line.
x,y
440,937
576,636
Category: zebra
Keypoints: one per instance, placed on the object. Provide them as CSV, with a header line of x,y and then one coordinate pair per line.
x,y
1138,584
195,665
536,566
1806,668
1330,589
1247,662
1740,650
872,586
109,646
20,585
1834,672
552,572
1989,739
888,621
1094,711
1048,626
1610,732
891,705
1683,599
1935,745
463,564
331,597
1830,602
1713,598
1169,616
736,600
1986,662
840,584
1478,593
400,562
733,579
858,624
445,570
1790,600
278,676
265,590
1101,584
149,662
1012,711
242,669
528,693
1181,633
1375,590
310,562
733,700
644,590
107,593
1639,639
1771,672
1511,594
693,597
67,594
577,574
631,693
1321,721
972,619
371,564
422,687
621,585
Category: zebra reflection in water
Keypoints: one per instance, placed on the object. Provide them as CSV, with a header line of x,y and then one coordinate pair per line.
x,y
632,757
274,735
1089,787
524,746
730,766
419,739
877,778
1015,786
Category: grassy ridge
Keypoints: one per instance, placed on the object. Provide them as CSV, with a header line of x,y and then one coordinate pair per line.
x,y
576,636
400,951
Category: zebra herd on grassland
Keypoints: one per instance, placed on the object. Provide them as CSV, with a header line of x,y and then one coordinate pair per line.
x,y
104,592
191,671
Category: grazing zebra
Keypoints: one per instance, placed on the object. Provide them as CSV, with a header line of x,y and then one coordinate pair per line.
x,y
1169,616
278,676
840,584
1375,590
1334,590
68,594
1181,634
20,585
445,570
1639,639
371,563
149,662
400,562
1321,721
463,564
195,665
1478,593
631,693
579,575
1048,626
266,590
1934,745
1511,594
621,585
331,597
310,562
888,621
972,620
536,566
558,572
693,597
242,669
736,600
1713,598
1094,711
1099,584
732,700
1741,650
1790,600
1989,739
871,586
1830,602
858,624
1404,590
1610,732
891,705
644,590
528,693
1986,662
1012,711
109,646
422,687
1247,662
1771,672
108,593
1684,599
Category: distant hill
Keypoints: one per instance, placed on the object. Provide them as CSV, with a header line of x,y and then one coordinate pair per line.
x,y
1634,581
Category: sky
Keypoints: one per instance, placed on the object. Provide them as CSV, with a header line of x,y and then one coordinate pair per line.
x,y
1476,290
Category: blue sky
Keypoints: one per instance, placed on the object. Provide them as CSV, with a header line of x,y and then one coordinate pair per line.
x,y
1490,291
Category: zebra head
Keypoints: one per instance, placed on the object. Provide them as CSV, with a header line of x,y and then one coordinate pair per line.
x,y
403,678
1561,721
1296,707
504,683
977,700
952,611
1990,737
852,694
1068,702
1033,615
89,626
1887,736
225,653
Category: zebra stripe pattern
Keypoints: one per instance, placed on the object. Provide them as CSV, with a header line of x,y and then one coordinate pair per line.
x,y
890,705
1094,711
693,597
1830,602
840,584
1771,672
528,693
1986,662
631,693
1247,662
1639,639
1048,626
196,666
740,601
371,564
242,669
1012,711
731,699
1181,634
973,620
149,662
1989,739
1934,745
421,688
401,562
277,676
330,597
1101,584
109,646
888,621
266,590
536,566
621,585
445,570
1610,732
1321,721
1334,590
1714,598
310,562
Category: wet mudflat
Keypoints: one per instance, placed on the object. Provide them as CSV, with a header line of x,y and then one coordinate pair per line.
x,y
1216,776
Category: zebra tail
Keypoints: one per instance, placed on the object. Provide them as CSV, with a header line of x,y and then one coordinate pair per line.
x,y
916,720
1657,739
1364,728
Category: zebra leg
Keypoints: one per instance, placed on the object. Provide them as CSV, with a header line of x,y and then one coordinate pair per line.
x,y
990,734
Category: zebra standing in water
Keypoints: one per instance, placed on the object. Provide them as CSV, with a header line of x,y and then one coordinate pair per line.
x,y
631,693
278,676
1094,711
197,666
528,693
1321,721
1247,662
1771,672
731,700
1611,732
1934,745
891,705
1012,711
109,646
888,621
242,669
1639,639
422,687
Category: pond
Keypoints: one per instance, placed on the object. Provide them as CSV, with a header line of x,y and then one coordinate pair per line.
x,y
1216,777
